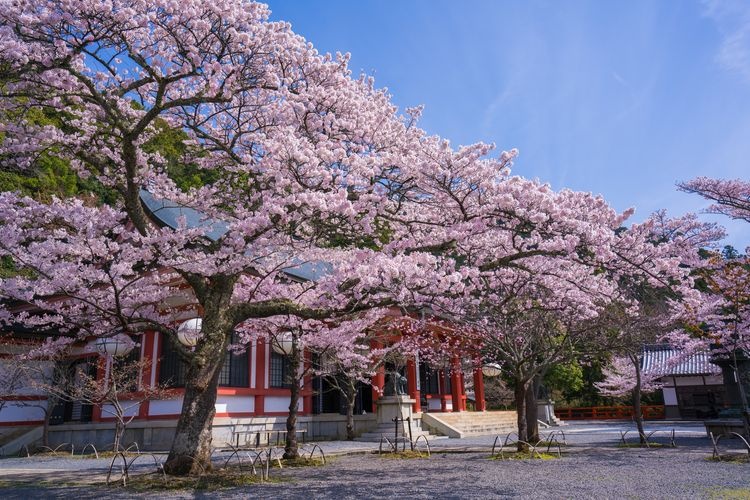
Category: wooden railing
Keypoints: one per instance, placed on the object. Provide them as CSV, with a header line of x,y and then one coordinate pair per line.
x,y
650,412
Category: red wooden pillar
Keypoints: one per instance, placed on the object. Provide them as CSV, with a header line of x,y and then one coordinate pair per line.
x,y
456,385
260,377
411,384
147,352
378,382
480,404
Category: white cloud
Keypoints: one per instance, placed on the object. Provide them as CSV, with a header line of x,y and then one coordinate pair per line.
x,y
732,19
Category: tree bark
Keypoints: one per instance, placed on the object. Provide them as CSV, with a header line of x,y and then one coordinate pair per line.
x,y
521,387
191,449
637,413
532,410
351,399
291,450
119,431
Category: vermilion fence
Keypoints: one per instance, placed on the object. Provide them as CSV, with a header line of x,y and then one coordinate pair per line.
x,y
650,412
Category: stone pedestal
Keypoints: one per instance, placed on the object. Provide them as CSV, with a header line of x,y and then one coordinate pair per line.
x,y
390,407
546,411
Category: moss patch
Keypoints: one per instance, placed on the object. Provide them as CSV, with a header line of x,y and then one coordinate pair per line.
x,y
301,462
524,455
216,480
734,458
404,455
731,494
639,445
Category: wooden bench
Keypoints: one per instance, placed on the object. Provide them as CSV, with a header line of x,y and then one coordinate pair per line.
x,y
257,430
248,430
281,435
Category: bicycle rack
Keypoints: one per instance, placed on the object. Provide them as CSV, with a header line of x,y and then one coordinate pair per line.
x,y
96,453
317,447
426,442
715,441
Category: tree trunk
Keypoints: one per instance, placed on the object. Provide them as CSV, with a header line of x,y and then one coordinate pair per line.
x,y
351,400
637,413
119,431
532,410
743,396
291,450
191,448
521,387
51,403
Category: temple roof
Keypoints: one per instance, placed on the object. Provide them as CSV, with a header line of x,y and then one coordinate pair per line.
x,y
669,361
169,213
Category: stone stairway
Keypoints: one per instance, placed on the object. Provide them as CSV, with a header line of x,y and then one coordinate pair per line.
x,y
388,430
470,423
13,440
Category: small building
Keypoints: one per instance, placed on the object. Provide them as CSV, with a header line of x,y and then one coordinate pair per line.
x,y
692,386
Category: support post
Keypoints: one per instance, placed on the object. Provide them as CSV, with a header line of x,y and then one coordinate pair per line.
x,y
456,386
411,384
480,403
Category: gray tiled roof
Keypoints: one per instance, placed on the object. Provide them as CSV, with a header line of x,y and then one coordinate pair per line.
x,y
668,361
168,213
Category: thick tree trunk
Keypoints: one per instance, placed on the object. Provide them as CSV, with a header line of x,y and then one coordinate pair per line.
x,y
191,448
637,413
521,387
291,449
532,410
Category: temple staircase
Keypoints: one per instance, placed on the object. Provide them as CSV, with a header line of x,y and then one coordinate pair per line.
x,y
388,430
470,423
13,440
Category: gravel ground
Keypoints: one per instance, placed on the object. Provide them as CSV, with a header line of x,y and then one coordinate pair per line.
x,y
593,467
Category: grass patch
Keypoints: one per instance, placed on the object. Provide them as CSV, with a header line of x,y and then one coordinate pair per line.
x,y
216,480
733,458
523,455
731,494
301,462
404,455
639,445
553,444
107,454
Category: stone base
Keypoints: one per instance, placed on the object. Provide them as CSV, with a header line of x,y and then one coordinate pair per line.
x,y
390,407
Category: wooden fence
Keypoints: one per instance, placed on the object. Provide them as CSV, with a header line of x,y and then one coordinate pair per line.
x,y
650,412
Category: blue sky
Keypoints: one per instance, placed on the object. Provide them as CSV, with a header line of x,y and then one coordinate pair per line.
x,y
618,98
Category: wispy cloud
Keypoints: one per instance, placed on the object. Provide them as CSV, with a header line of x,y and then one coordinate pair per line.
x,y
732,19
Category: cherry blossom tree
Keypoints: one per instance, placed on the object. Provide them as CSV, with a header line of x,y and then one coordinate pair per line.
x,y
729,197
649,312
725,314
302,166
305,343
622,376
318,199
